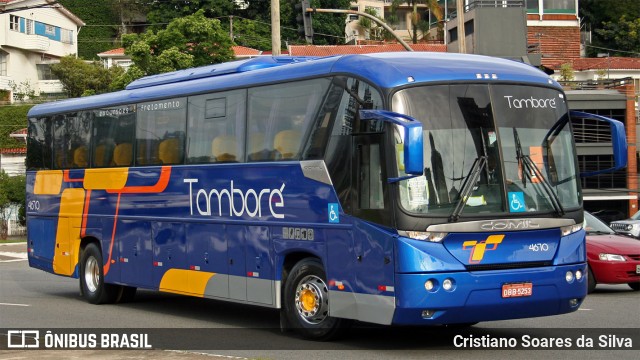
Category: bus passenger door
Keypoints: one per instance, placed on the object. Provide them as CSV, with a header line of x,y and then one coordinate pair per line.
x,y
373,245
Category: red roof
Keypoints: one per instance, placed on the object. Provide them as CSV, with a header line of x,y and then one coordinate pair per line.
x,y
614,63
245,51
329,50
113,52
14,151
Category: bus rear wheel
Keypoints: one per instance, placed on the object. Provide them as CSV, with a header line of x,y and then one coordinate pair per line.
x,y
306,303
92,284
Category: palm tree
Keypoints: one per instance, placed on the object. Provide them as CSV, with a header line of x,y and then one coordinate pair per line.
x,y
418,24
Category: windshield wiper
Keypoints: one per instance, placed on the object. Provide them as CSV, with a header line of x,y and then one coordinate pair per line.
x,y
467,186
529,168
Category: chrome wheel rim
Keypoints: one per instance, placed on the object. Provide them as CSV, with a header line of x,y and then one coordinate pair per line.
x,y
312,300
92,274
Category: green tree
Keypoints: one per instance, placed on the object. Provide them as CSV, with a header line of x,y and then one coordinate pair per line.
x,y
163,12
12,197
419,25
621,34
375,31
566,72
79,77
596,13
188,41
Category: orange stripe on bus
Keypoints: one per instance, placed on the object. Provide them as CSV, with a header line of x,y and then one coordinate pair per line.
x,y
160,186
113,237
85,214
68,179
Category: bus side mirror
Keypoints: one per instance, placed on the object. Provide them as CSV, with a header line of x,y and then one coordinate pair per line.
x,y
413,144
618,141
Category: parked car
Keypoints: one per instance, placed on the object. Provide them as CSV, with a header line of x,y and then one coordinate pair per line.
x,y
612,258
609,216
630,226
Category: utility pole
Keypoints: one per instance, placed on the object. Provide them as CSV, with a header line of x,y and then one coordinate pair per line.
x,y
231,27
275,27
462,44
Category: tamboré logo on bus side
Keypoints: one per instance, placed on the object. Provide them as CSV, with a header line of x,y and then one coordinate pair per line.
x,y
214,196
479,248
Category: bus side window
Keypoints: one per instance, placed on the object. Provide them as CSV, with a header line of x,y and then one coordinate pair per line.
x,y
39,144
160,132
216,127
283,115
71,139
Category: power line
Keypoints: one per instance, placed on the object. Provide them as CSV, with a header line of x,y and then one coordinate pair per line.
x,y
621,51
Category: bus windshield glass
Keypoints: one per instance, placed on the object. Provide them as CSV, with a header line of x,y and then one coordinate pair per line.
x,y
489,149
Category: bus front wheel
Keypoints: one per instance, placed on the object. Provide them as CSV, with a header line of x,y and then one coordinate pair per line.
x,y
306,302
92,284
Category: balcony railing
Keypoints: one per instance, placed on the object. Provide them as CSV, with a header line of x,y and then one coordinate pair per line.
x,y
490,4
595,84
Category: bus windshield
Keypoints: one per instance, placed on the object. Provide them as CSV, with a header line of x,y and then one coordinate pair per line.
x,y
489,149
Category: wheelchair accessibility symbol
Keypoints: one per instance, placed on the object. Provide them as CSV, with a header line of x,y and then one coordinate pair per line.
x,y
334,216
516,202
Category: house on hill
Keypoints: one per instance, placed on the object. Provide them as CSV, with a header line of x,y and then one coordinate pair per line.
x,y
35,34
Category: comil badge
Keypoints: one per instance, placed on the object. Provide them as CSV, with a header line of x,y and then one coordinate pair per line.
x,y
479,248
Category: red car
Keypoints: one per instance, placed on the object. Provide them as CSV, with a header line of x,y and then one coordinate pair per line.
x,y
612,258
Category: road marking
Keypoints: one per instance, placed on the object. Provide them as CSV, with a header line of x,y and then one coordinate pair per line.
x,y
14,256
7,304
584,309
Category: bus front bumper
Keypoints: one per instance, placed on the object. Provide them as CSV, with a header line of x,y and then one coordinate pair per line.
x,y
478,296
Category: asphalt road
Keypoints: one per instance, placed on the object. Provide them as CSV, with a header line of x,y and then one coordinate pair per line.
x,y
30,298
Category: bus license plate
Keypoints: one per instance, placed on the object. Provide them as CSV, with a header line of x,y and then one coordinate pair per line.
x,y
517,290
637,269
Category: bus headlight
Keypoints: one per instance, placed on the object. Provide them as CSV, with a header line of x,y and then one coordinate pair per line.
x,y
424,235
568,230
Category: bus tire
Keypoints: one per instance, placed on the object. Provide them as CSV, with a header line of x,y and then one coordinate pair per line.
x,y
592,282
306,303
635,286
94,289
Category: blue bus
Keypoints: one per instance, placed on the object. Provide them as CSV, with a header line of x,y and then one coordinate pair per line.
x,y
391,188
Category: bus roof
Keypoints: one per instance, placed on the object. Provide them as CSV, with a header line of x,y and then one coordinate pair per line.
x,y
385,70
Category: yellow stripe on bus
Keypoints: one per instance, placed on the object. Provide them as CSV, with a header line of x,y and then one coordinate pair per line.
x,y
48,182
186,282
105,179
65,256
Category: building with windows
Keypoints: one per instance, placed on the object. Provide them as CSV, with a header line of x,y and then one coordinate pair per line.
x,y
34,34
